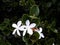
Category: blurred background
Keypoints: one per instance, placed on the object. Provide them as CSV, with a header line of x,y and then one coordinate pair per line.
x,y
13,10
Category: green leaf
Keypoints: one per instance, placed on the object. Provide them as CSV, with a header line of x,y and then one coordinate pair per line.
x,y
24,18
49,41
29,42
4,24
30,2
3,41
33,17
34,10
37,21
34,37
38,42
26,38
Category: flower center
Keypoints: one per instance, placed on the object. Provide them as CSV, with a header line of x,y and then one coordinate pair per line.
x,y
34,29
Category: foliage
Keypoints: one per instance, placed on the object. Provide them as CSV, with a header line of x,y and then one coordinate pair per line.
x,y
42,12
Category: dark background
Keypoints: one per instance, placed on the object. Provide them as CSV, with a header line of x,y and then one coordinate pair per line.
x,y
8,10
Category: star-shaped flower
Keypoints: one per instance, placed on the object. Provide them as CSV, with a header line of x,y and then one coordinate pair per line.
x,y
17,27
28,27
40,33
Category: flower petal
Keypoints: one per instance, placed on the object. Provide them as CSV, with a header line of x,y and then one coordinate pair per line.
x,y
27,22
41,34
40,29
39,37
18,33
22,28
32,25
14,31
19,23
24,32
14,25
30,31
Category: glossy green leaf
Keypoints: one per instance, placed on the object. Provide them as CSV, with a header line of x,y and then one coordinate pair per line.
x,y
34,10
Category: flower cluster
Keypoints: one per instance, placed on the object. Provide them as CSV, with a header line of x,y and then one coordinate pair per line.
x,y
28,27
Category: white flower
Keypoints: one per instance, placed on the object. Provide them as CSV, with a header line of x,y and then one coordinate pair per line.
x,y
28,27
40,33
17,27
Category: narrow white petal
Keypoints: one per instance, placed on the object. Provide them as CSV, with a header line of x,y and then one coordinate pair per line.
x,y
14,25
30,31
39,37
14,31
40,29
32,25
19,23
18,33
41,34
24,32
27,22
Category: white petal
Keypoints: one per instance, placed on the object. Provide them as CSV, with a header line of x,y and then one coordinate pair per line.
x,y
39,37
27,22
19,23
18,33
41,34
32,25
14,31
30,31
24,32
14,25
22,28
40,29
